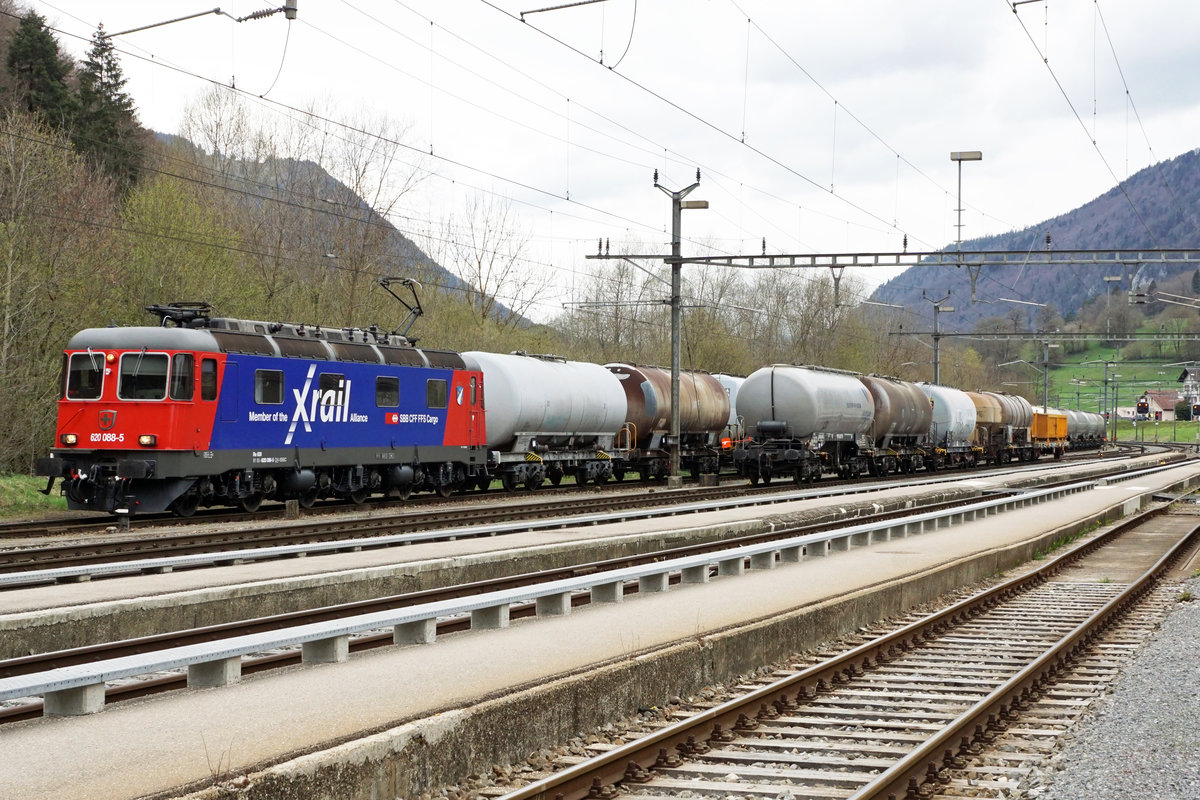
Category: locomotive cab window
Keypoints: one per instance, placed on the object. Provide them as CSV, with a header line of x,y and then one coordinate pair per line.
x,y
436,394
85,376
143,376
387,392
183,376
208,379
268,387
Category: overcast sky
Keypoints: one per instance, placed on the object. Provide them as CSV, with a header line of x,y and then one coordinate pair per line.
x,y
823,127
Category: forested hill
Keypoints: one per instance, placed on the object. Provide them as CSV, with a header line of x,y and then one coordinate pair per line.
x,y
1167,199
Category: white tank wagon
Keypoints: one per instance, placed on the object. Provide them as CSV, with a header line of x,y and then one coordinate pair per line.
x,y
804,420
952,427
547,416
1085,429
732,384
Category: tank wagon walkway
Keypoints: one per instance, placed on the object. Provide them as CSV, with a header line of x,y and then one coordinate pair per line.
x,y
290,727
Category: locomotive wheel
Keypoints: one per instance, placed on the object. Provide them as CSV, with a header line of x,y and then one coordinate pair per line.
x,y
754,479
250,503
308,498
186,505
483,482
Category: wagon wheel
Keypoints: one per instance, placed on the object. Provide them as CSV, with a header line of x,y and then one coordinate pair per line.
x,y
618,475
186,505
250,503
509,481
581,477
358,496
403,492
308,497
483,482
555,476
445,489
532,483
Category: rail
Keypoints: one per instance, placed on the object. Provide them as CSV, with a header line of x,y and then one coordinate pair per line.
x,y
79,689
162,564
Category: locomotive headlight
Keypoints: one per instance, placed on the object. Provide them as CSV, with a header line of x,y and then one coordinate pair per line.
x,y
147,440
110,357
69,439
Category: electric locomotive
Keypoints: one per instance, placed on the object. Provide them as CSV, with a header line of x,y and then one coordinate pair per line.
x,y
203,410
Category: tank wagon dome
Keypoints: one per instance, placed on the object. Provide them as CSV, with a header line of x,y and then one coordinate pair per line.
x,y
901,410
953,414
703,404
546,395
788,400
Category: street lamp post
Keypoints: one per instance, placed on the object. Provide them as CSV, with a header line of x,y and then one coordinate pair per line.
x,y
961,156
675,480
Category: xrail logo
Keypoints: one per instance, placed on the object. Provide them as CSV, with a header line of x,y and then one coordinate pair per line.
x,y
331,404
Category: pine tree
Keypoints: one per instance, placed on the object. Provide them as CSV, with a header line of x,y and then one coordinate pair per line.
x,y
41,72
107,129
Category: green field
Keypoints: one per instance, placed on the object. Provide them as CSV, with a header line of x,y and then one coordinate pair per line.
x,y
20,499
1082,379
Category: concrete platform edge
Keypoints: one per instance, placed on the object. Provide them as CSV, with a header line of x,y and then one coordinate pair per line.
x,y
422,755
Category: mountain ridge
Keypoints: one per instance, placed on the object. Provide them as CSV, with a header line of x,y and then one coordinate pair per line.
x,y
1152,209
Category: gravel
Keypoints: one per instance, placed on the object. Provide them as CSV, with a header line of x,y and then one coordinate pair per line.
x,y
1144,739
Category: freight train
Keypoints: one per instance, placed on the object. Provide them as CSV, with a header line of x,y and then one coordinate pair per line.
x,y
203,410
805,421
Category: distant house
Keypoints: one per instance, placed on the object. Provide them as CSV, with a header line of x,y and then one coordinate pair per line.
x,y
1161,403
1190,378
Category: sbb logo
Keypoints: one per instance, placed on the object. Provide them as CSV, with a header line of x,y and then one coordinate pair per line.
x,y
393,418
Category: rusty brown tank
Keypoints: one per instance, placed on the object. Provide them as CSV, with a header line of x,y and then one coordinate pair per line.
x,y
703,403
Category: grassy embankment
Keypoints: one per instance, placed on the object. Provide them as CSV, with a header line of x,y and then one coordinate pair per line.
x,y
20,499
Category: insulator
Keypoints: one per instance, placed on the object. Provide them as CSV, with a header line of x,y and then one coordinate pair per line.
x,y
656,177
764,246
697,174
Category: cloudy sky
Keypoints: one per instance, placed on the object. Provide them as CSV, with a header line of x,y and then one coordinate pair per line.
x,y
823,127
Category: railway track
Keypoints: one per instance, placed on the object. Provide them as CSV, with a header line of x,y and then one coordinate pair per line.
x,y
957,704
389,529
41,662
431,505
